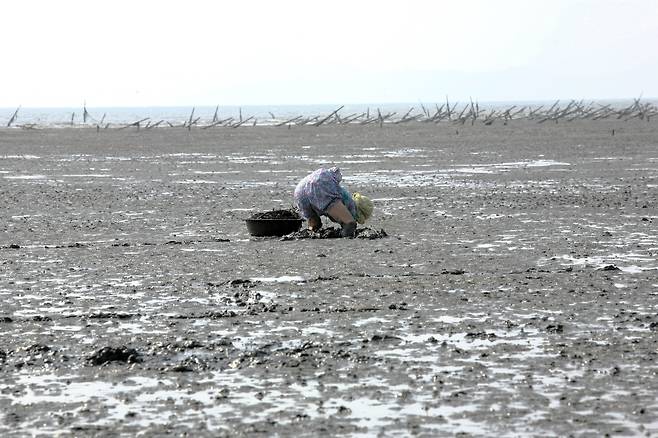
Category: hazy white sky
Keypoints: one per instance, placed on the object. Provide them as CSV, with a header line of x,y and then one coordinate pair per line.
x,y
142,52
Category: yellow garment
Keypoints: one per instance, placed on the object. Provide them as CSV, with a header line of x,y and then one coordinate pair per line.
x,y
364,207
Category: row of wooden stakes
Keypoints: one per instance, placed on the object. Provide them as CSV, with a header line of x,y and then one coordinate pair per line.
x,y
449,113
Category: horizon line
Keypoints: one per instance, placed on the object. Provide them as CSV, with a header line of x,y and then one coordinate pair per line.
x,y
329,104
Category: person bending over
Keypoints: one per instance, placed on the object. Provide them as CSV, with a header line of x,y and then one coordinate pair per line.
x,y
320,194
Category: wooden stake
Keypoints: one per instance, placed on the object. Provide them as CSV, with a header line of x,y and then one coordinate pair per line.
x,y
427,113
294,119
448,107
241,122
218,122
329,116
137,123
189,123
13,117
408,112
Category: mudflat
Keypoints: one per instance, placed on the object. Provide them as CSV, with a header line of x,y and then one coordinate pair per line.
x,y
516,292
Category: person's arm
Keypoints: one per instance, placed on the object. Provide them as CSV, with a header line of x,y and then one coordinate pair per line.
x,y
314,223
306,209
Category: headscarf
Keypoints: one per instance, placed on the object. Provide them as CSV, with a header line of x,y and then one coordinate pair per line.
x,y
364,207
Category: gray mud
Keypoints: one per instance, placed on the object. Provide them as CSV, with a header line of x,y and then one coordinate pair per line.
x,y
516,292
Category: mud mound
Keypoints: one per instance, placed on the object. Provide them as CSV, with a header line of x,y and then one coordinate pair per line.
x,y
334,233
111,354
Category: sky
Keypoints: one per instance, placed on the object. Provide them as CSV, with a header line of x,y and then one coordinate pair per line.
x,y
181,53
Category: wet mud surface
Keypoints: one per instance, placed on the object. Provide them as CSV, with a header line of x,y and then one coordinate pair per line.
x,y
516,293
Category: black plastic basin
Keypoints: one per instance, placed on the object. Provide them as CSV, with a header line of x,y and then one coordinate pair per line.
x,y
273,227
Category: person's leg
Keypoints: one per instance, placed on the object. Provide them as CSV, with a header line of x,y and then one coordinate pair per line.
x,y
340,213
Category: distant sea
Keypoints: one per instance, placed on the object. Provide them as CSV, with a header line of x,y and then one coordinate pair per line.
x,y
261,114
